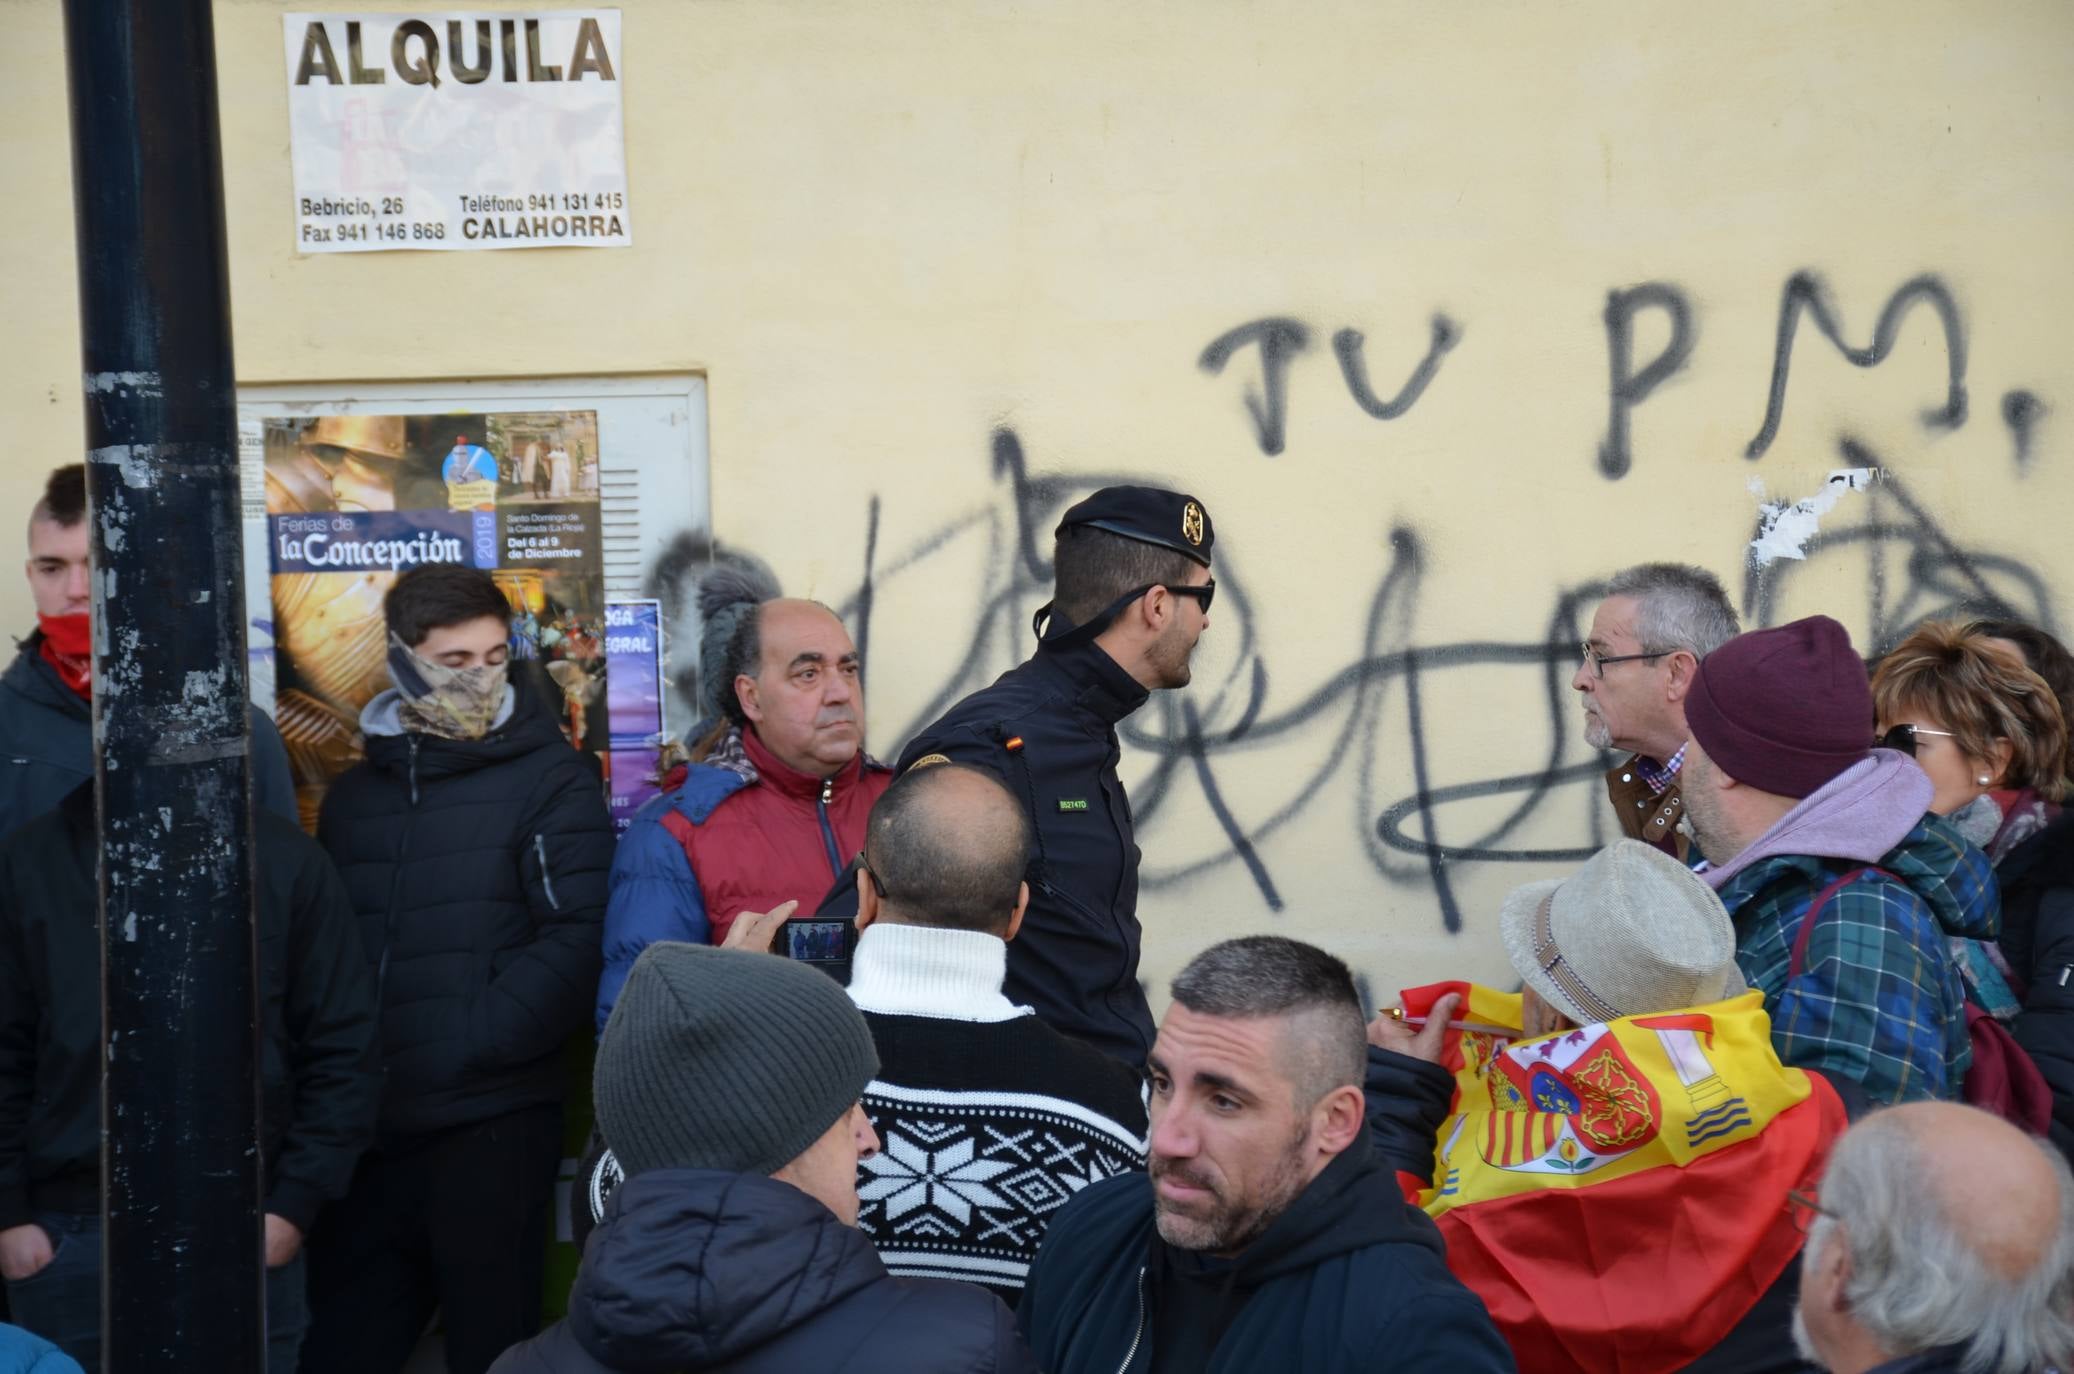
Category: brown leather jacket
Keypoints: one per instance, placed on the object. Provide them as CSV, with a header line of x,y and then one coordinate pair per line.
x,y
1644,815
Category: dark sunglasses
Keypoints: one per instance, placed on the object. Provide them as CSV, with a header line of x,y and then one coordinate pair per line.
x,y
1204,594
1903,738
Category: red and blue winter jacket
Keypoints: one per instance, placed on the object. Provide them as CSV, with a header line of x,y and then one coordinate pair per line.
x,y
738,832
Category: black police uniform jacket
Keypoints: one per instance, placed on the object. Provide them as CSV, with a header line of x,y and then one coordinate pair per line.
x,y
1048,728
477,870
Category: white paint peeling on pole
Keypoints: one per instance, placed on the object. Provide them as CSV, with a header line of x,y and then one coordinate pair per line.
x,y
183,1278
147,384
138,463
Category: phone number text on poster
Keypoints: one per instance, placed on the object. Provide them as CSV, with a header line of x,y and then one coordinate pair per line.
x,y
561,216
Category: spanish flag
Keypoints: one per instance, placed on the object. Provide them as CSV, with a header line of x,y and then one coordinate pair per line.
x,y
1616,1194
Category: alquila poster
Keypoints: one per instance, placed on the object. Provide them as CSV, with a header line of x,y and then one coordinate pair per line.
x,y
354,500
457,129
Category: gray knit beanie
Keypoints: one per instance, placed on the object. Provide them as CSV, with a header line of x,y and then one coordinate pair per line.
x,y
722,1059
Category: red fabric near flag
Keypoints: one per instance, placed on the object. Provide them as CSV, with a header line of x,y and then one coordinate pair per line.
x,y
1643,1274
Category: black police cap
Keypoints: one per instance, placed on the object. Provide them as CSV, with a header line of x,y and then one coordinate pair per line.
x,y
1171,519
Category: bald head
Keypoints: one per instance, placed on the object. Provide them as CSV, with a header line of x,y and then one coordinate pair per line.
x,y
788,617
1942,1226
1991,1181
798,682
948,846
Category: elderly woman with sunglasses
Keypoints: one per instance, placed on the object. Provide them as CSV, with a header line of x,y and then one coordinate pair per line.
x,y
1992,735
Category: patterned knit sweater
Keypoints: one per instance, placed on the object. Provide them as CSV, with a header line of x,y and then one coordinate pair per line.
x,y
988,1119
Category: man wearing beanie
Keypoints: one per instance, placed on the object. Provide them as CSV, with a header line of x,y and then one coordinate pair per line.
x,y
728,1083
1795,811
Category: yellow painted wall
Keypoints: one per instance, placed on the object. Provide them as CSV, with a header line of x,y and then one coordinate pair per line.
x,y
889,231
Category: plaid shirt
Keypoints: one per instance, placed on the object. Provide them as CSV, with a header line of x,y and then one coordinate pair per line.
x,y
1660,776
1878,999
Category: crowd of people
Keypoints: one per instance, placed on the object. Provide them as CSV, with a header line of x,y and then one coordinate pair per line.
x,y
1785,1084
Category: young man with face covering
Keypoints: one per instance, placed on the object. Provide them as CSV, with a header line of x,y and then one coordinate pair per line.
x,y
46,694
474,844
767,819
1267,1234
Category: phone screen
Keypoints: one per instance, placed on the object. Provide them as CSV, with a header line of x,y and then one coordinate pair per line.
x,y
818,942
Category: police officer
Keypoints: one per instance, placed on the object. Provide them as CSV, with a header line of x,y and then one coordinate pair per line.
x,y
1131,595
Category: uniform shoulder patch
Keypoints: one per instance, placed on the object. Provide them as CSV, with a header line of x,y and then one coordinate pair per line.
x,y
928,761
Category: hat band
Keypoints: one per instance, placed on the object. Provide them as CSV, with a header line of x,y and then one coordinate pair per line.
x,y
1549,956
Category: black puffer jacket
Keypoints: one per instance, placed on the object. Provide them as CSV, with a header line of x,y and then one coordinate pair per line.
x,y
698,1270
319,1079
1348,1278
2037,879
477,869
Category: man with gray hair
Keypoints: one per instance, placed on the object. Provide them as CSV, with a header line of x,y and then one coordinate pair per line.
x,y
1656,622
1267,1235
1943,1239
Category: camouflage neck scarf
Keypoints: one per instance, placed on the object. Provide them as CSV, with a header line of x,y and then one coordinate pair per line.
x,y
453,703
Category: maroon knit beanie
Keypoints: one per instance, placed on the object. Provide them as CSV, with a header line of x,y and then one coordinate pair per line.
x,y
1784,710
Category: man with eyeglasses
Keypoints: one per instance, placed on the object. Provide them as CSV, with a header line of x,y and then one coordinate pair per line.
x,y
1132,593
1942,1240
1844,889
1655,624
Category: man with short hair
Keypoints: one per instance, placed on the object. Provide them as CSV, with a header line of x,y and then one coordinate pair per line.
x,y
1795,811
1132,596
1654,625
1267,1235
990,1118
768,819
728,1082
46,715
474,844
1942,1240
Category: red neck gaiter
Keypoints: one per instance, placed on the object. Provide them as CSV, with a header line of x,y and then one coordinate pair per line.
x,y
68,647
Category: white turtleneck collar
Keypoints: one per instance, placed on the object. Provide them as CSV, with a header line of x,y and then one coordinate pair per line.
x,y
903,970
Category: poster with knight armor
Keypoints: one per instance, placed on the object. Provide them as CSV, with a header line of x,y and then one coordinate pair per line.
x,y
352,500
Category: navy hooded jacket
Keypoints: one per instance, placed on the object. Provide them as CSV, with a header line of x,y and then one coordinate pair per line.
x,y
694,1269
47,744
1349,1278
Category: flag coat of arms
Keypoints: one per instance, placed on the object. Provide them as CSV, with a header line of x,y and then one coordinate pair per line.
x,y
1616,1194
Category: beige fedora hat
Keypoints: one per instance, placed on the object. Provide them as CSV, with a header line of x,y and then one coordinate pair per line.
x,y
1632,932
